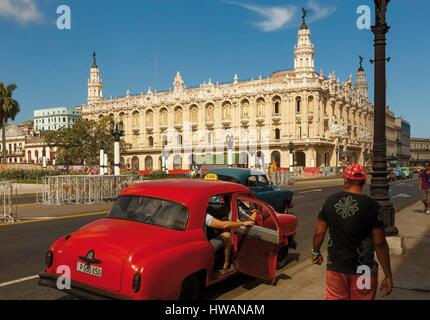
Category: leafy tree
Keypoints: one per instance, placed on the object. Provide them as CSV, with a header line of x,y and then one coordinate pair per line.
x,y
9,108
81,143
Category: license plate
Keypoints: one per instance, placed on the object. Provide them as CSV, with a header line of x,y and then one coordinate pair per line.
x,y
92,270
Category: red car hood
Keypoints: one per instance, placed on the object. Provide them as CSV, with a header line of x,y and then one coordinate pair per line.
x,y
112,240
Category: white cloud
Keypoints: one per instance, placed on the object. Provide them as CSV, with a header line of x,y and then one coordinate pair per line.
x,y
318,12
24,11
274,17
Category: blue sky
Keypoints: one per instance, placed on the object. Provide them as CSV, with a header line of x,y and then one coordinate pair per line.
x,y
143,43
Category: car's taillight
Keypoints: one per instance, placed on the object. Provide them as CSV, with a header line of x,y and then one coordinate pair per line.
x,y
137,279
49,260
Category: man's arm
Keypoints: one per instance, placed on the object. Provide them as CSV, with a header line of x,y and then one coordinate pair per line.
x,y
383,253
218,224
319,234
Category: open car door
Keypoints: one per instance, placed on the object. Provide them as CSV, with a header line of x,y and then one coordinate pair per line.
x,y
256,247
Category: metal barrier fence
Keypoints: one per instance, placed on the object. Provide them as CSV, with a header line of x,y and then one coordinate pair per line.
x,y
60,190
6,203
282,177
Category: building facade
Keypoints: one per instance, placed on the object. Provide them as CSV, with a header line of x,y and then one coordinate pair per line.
x,y
403,141
55,118
391,135
15,143
295,117
420,151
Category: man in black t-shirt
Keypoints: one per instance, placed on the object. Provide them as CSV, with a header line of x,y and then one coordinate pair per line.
x,y
356,231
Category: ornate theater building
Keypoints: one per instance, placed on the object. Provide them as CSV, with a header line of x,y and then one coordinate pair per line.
x,y
296,117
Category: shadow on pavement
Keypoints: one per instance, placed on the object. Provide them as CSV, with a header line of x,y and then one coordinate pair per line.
x,y
411,270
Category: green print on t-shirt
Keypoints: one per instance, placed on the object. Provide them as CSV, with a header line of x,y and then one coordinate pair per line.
x,y
347,207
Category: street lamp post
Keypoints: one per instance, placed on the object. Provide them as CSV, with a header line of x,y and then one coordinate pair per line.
x,y
52,147
117,132
291,150
102,159
44,157
379,184
337,149
163,159
230,141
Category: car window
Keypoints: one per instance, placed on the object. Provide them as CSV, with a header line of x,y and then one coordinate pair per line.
x,y
252,181
264,219
153,211
263,181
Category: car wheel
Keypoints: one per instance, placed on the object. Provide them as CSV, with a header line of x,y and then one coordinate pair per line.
x,y
282,258
190,288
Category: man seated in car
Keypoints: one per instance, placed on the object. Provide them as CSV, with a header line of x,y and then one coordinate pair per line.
x,y
221,235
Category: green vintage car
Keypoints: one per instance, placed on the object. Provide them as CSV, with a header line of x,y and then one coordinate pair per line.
x,y
408,172
280,199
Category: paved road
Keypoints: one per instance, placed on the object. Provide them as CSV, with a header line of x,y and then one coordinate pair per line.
x,y
23,246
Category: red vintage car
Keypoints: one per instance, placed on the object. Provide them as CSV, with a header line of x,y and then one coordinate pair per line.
x,y
154,243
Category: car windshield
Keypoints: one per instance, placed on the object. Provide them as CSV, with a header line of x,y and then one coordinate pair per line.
x,y
263,180
157,212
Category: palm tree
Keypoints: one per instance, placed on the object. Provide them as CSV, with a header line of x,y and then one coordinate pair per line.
x,y
9,108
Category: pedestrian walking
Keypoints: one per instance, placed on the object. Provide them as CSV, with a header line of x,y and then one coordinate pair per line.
x,y
424,183
356,230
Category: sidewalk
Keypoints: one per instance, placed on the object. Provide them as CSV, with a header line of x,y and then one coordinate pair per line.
x,y
39,211
411,271
314,183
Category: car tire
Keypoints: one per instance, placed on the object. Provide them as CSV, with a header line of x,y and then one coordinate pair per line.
x,y
190,289
282,258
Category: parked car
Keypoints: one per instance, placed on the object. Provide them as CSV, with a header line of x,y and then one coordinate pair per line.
x,y
391,176
408,172
153,243
280,199
399,174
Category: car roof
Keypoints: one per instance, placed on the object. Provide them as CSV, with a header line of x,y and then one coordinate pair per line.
x,y
185,191
240,174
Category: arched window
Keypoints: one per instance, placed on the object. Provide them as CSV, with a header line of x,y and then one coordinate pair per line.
x,y
135,163
135,120
149,119
298,104
244,108
163,117
311,104
194,114
276,105
177,162
276,156
178,115
226,110
149,163
164,140
210,115
260,107
150,141
277,134
179,140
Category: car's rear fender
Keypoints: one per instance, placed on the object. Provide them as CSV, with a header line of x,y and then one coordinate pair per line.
x,y
163,273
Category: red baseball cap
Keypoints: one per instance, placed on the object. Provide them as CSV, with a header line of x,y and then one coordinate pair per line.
x,y
355,172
